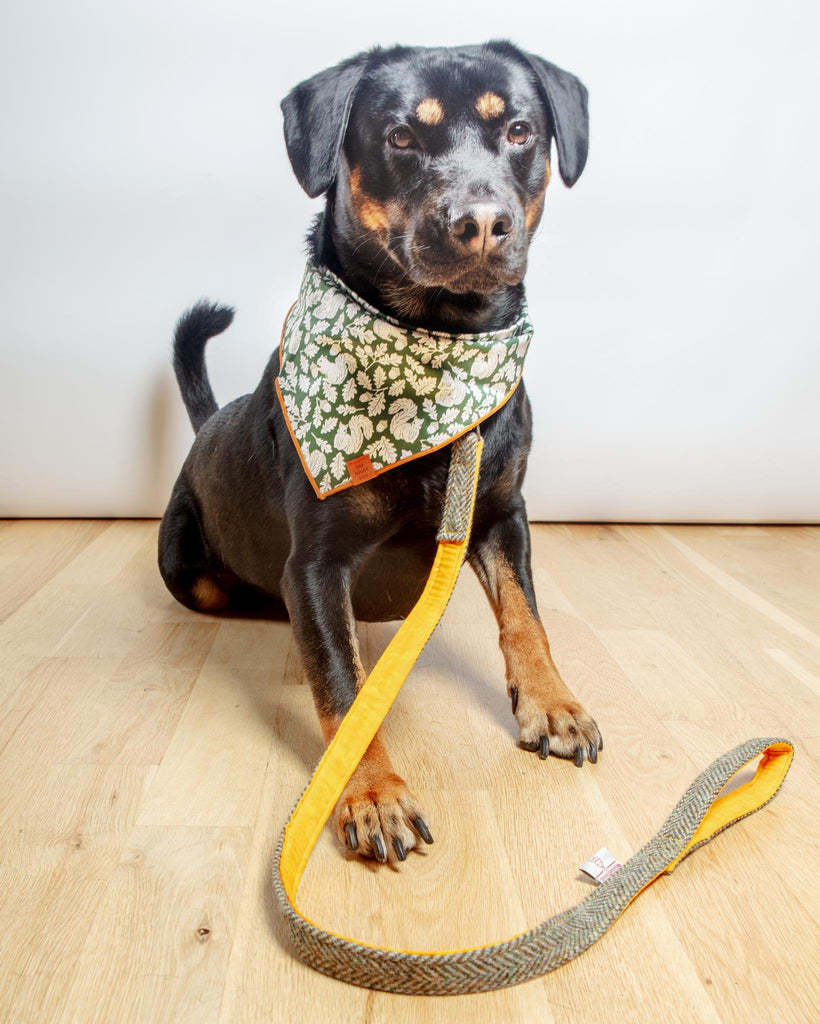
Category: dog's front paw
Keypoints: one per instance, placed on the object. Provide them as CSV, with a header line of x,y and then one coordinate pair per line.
x,y
378,817
548,724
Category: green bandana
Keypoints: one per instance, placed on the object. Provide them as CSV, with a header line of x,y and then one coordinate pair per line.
x,y
362,393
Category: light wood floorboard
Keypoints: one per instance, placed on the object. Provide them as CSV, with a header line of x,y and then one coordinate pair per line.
x,y
149,757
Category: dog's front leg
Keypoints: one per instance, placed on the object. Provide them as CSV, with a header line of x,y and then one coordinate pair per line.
x,y
549,717
377,815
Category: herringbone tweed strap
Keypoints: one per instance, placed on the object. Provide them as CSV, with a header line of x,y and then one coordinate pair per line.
x,y
699,815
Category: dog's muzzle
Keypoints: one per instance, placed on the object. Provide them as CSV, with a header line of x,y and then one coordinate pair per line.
x,y
478,245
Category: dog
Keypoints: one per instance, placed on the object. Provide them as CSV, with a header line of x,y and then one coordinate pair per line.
x,y
434,164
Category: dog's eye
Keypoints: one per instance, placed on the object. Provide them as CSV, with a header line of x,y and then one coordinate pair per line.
x,y
519,133
402,138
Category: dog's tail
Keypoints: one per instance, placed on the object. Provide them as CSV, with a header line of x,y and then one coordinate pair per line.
x,y
194,328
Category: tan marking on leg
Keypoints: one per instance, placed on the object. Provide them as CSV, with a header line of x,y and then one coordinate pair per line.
x,y
490,104
430,111
376,801
523,639
208,595
545,704
329,725
371,213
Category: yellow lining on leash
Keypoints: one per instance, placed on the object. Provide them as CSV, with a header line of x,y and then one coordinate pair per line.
x,y
372,703
700,814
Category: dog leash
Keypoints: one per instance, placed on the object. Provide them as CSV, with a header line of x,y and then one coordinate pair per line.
x,y
698,817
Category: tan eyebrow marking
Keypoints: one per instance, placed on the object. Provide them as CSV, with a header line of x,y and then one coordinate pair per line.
x,y
490,104
430,111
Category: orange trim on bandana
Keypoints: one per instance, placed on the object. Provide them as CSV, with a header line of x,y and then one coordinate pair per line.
x,y
321,495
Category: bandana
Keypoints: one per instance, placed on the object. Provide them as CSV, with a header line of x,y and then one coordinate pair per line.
x,y
362,393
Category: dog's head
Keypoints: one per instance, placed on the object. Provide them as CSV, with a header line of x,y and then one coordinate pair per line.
x,y
439,158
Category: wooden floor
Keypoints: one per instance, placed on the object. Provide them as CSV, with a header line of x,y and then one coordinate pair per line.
x,y
150,755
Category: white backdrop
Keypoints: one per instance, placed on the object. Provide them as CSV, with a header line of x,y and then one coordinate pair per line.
x,y
674,290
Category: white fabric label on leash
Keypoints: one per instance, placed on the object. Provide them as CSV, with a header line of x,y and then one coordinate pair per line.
x,y
601,865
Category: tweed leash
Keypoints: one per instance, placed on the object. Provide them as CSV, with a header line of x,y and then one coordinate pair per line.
x,y
699,815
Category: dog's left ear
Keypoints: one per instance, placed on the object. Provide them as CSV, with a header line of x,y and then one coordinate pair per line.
x,y
316,115
566,99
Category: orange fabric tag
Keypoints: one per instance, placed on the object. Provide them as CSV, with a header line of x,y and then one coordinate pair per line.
x,y
361,469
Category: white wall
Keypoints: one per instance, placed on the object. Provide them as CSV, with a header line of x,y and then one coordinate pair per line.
x,y
675,289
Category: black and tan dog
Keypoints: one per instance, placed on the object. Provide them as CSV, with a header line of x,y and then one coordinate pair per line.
x,y
434,163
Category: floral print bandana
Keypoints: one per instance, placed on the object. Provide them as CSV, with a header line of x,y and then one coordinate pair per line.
x,y
362,393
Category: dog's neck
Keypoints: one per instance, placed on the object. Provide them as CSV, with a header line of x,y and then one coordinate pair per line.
x,y
371,273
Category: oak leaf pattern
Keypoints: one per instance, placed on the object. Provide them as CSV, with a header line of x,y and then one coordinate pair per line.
x,y
353,381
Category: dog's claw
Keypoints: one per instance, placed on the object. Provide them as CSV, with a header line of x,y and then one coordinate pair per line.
x,y
531,745
399,848
378,845
420,825
544,752
600,742
514,697
579,757
350,834
593,754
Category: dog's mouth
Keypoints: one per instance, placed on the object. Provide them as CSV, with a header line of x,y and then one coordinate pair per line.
x,y
429,265
482,278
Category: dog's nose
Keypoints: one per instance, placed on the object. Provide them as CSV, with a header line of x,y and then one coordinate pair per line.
x,y
481,227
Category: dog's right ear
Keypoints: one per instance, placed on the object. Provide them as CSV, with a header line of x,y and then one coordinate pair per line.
x,y
316,115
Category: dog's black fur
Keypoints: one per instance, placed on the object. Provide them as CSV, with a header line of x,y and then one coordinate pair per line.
x,y
433,193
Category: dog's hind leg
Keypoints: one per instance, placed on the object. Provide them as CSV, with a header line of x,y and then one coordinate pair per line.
x,y
185,562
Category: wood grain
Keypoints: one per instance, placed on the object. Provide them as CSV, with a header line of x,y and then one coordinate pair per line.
x,y
149,756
